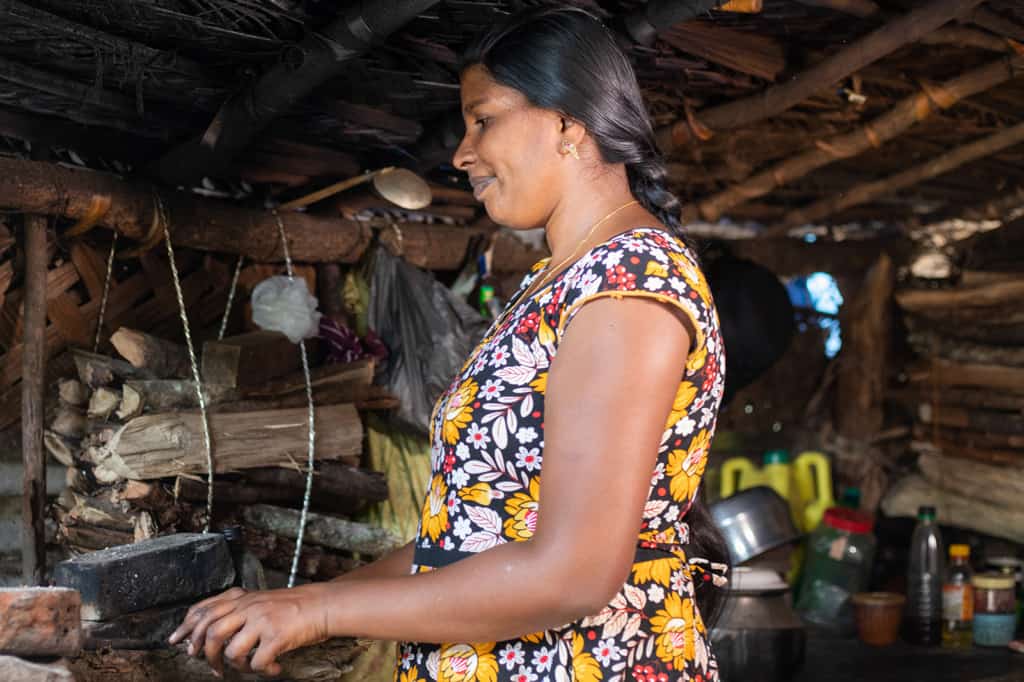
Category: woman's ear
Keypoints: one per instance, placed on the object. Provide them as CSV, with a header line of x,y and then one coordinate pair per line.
x,y
572,131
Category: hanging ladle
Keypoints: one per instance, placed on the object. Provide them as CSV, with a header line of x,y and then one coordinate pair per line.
x,y
399,186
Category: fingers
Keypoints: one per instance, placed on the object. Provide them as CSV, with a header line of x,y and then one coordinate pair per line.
x,y
198,610
217,636
264,661
236,653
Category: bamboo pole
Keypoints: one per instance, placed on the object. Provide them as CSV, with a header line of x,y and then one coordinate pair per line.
x,y
872,190
774,100
894,122
33,498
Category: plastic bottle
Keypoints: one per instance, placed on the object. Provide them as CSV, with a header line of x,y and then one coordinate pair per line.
x,y
958,600
923,621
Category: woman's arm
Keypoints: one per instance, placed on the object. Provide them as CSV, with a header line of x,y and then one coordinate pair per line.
x,y
609,393
394,564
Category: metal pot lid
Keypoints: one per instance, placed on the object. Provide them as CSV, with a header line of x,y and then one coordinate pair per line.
x,y
403,188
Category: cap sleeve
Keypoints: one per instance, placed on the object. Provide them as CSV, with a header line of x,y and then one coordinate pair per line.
x,y
648,264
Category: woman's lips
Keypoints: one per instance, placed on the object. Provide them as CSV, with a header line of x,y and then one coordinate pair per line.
x,y
479,185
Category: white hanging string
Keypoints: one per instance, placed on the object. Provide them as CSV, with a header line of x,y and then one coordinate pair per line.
x,y
312,432
106,293
231,297
204,418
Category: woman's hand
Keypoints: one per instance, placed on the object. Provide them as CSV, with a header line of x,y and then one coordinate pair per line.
x,y
234,623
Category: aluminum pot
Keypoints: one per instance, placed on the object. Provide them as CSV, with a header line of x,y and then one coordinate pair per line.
x,y
754,521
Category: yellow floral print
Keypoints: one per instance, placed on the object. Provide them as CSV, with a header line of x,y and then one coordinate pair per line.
x,y
584,666
540,384
522,511
468,663
677,626
684,398
459,411
686,467
411,675
435,509
656,571
696,360
657,269
479,493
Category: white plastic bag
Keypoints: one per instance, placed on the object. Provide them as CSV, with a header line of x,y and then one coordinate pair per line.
x,y
285,305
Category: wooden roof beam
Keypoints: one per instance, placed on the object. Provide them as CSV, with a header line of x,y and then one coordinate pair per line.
x,y
868,191
323,54
776,99
894,122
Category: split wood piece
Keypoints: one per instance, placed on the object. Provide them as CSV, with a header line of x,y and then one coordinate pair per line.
x,y
14,669
148,629
64,313
362,397
103,402
999,485
977,420
91,266
954,509
994,22
97,510
64,450
960,397
85,539
988,326
434,247
322,662
69,422
164,570
862,377
931,343
868,191
162,445
40,621
97,370
249,359
1013,458
10,397
160,395
332,479
79,479
973,439
6,275
327,531
754,54
131,404
996,293
889,125
165,359
277,553
199,223
847,61
352,374
936,372
73,392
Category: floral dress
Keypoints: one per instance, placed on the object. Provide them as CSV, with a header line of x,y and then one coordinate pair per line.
x,y
487,463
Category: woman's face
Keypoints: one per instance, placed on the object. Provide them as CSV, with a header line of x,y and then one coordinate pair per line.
x,y
510,151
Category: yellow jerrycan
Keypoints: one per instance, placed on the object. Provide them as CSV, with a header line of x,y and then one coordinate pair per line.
x,y
739,473
813,474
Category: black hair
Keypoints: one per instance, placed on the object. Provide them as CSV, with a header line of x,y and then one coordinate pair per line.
x,y
564,59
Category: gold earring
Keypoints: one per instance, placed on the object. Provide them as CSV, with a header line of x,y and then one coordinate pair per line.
x,y
570,148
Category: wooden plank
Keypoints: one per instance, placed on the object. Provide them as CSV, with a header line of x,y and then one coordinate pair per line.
x,y
944,373
91,267
33,368
72,325
249,359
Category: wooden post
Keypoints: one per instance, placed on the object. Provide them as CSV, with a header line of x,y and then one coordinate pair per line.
x,y
33,498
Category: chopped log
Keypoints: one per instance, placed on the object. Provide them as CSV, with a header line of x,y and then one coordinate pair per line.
x,y
959,397
83,539
362,397
936,372
69,422
14,669
998,293
847,61
862,370
103,402
249,359
277,552
73,392
323,662
162,445
131,403
97,511
80,480
954,509
435,247
977,420
332,479
148,629
144,495
931,343
326,531
40,621
999,485
868,191
97,370
758,55
164,359
198,223
896,121
161,395
353,374
967,438
992,327
989,456
60,448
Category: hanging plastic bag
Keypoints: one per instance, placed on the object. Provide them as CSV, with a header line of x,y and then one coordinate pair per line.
x,y
428,330
282,304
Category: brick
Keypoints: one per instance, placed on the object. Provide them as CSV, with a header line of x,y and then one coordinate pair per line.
x,y
164,570
17,670
147,629
39,621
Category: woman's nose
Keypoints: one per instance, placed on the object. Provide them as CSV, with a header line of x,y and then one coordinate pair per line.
x,y
464,154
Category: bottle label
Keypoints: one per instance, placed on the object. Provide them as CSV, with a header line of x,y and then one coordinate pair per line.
x,y
957,602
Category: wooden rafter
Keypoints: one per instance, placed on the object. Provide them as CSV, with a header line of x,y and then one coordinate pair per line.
x,y
897,120
877,44
872,190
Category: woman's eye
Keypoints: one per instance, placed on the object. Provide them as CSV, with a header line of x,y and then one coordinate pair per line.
x,y
482,121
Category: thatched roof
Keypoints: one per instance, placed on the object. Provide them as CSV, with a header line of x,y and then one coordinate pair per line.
x,y
123,83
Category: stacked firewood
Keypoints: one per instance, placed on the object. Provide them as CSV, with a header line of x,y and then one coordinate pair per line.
x,y
966,394
130,433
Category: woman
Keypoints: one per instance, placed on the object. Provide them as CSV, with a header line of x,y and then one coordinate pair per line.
x,y
604,374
